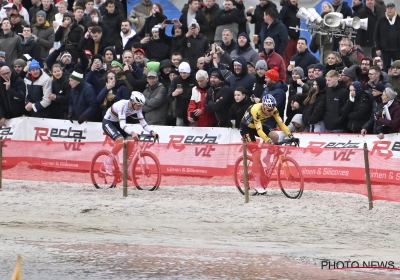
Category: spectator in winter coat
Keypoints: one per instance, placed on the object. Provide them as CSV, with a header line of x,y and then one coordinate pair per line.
x,y
83,105
156,49
156,18
166,66
49,9
272,58
260,84
298,89
38,88
340,6
277,88
10,43
97,75
155,108
372,126
303,57
314,106
258,17
228,43
66,59
28,44
43,33
274,28
333,62
109,56
194,44
390,115
60,89
113,91
211,11
113,19
69,32
12,99
336,97
394,78
346,53
244,49
196,114
219,98
139,13
240,77
239,107
228,18
387,36
357,108
193,12
288,17
94,41
181,90
19,65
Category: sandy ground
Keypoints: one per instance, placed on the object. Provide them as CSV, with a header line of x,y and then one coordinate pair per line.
x,y
72,231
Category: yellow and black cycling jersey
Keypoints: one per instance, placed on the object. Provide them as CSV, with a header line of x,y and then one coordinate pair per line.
x,y
254,118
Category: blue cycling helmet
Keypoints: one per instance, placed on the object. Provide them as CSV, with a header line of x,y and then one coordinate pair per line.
x,y
269,101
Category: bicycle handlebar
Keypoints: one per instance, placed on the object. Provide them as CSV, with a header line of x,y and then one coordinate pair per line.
x,y
290,140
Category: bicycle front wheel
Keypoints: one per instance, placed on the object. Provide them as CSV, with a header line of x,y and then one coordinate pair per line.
x,y
98,174
239,173
290,178
146,172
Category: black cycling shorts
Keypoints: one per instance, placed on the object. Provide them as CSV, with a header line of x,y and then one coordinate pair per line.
x,y
114,130
250,133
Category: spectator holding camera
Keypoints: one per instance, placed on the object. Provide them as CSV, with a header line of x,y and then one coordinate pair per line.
x,y
97,74
66,59
69,32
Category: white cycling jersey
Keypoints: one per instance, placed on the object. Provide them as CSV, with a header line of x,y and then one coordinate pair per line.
x,y
120,110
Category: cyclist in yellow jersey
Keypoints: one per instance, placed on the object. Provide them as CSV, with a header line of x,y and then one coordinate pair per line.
x,y
252,125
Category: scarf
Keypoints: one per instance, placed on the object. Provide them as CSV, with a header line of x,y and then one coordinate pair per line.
x,y
337,6
393,20
385,111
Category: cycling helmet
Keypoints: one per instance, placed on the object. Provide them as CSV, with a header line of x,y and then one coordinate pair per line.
x,y
269,101
138,97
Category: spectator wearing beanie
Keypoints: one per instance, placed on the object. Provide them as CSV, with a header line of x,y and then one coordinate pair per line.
x,y
43,33
390,115
348,75
272,58
156,49
298,89
19,65
96,77
394,78
83,104
240,77
261,69
244,49
319,70
68,64
219,98
183,93
38,85
277,88
314,106
357,108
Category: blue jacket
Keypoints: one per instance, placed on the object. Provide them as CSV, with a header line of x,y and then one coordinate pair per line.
x,y
82,100
276,31
97,79
279,92
244,79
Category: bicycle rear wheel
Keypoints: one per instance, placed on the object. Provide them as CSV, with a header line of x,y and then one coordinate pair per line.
x,y
98,175
146,172
290,178
239,173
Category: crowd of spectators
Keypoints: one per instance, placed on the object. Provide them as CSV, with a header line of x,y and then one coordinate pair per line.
x,y
207,70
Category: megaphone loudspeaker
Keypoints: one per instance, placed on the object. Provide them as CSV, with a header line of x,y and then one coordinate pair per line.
x,y
364,23
333,19
304,14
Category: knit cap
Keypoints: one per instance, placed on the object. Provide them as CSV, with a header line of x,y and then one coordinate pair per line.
x,y
34,65
76,76
273,74
299,71
20,62
41,13
262,64
184,67
116,63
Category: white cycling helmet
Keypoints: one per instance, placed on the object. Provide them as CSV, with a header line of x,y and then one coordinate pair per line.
x,y
138,97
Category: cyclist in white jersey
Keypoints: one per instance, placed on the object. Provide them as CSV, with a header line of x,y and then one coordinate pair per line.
x,y
114,125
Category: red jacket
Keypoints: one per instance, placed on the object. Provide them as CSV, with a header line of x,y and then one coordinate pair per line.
x,y
275,60
206,119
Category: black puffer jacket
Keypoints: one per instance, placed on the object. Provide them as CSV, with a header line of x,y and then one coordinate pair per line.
x,y
314,113
113,22
61,88
357,112
336,98
12,101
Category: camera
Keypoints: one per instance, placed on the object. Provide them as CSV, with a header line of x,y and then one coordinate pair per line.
x,y
169,21
193,116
